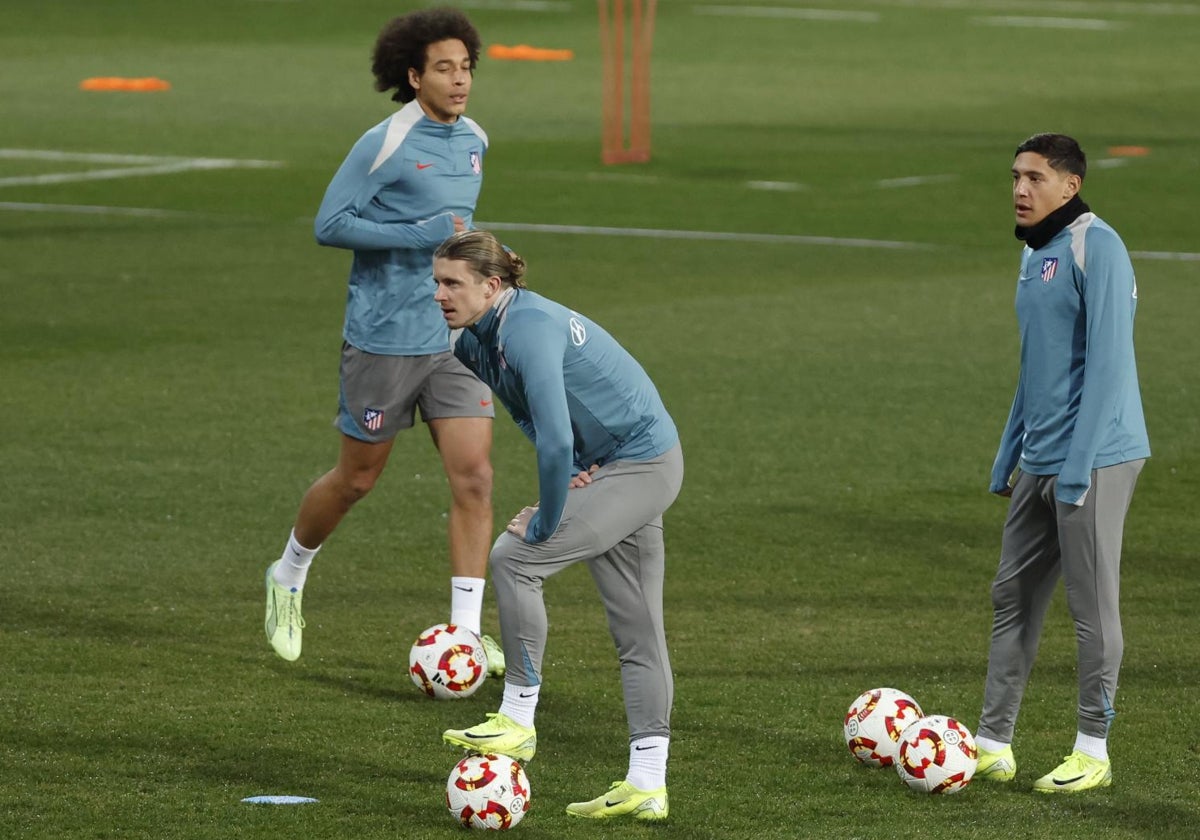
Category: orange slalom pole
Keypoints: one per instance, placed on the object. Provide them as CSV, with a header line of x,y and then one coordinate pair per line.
x,y
615,146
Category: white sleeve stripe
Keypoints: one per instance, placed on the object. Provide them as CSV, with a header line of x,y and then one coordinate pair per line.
x,y
399,125
1079,229
475,127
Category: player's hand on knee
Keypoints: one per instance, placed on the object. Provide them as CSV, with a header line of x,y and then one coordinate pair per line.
x,y
520,523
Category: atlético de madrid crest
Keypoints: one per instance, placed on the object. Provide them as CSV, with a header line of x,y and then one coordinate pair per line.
x,y
1049,266
373,419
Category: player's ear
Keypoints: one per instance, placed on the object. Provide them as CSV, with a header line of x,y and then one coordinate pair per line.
x,y
1073,183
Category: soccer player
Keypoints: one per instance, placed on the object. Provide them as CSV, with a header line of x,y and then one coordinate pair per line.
x,y
1069,458
609,464
406,185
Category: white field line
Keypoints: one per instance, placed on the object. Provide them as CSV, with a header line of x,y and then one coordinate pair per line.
x,y
1174,256
642,233
135,166
516,5
777,186
617,177
106,157
787,12
708,236
77,157
914,181
1089,7
770,238
150,164
108,174
92,210
1090,24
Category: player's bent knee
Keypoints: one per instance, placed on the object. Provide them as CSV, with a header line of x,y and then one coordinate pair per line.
x,y
1005,594
355,485
500,558
505,557
473,486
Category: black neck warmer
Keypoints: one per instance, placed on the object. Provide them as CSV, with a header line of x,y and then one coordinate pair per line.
x,y
1036,236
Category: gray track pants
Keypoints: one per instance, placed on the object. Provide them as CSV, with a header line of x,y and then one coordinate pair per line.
x,y
615,525
1044,539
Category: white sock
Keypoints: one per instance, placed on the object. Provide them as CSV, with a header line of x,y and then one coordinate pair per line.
x,y
648,762
988,744
1091,745
466,602
292,569
520,702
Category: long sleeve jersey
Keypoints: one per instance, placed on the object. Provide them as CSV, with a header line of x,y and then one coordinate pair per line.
x,y
1077,406
392,202
579,396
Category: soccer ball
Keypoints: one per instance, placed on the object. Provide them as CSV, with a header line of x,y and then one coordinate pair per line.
x,y
488,791
937,754
874,723
447,662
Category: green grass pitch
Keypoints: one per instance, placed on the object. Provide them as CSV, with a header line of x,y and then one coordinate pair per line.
x,y
168,373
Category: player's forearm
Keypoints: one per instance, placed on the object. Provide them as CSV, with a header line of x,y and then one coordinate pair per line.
x,y
347,230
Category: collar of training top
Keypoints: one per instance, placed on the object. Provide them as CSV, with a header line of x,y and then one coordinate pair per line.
x,y
1036,236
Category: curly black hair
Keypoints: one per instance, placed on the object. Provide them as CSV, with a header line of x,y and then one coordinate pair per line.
x,y
403,42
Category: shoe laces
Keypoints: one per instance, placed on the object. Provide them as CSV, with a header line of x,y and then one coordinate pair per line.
x,y
1082,762
291,613
491,719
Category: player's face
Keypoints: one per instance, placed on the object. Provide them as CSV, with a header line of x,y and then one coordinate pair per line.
x,y
1039,189
462,292
442,88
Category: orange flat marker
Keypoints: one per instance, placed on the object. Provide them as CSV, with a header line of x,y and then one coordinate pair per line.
x,y
1128,151
121,83
524,52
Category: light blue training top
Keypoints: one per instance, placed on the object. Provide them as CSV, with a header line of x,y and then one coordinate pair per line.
x,y
1078,406
575,392
392,202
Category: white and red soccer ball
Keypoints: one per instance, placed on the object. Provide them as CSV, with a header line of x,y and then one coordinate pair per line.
x,y
447,662
936,754
488,791
874,722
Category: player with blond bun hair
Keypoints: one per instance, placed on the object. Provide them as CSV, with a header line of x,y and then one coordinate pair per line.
x,y
609,465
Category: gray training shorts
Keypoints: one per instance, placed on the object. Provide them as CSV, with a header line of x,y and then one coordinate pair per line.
x,y
379,394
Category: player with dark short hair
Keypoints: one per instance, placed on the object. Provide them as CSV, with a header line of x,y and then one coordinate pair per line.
x,y
1069,458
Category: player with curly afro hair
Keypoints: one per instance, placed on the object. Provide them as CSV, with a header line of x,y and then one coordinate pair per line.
x,y
408,183
402,49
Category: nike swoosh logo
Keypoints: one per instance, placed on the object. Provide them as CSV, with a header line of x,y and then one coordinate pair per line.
x,y
465,588
424,165
477,737
640,749
297,553
608,804
525,696
1067,781
485,403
